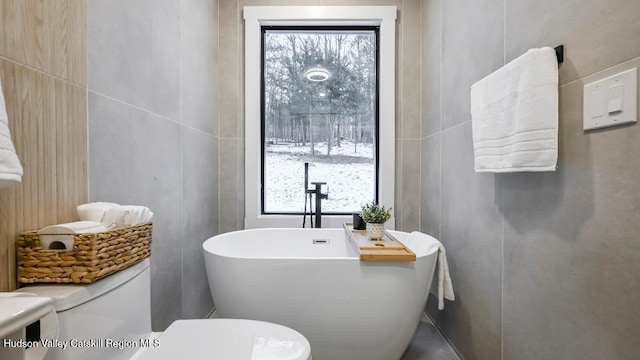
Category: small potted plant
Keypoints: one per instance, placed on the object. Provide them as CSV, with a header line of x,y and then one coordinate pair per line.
x,y
375,216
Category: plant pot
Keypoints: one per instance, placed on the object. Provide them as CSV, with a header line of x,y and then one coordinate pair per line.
x,y
375,231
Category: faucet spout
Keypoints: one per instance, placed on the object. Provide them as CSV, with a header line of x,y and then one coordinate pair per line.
x,y
319,196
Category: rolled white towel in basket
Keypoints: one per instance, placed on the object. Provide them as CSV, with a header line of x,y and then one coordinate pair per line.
x,y
113,215
126,215
138,214
94,211
61,233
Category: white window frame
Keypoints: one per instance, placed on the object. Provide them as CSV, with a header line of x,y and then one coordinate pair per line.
x,y
257,16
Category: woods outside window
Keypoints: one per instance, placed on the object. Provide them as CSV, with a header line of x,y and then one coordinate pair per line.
x,y
319,105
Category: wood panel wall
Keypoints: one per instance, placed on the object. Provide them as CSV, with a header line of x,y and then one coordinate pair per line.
x,y
43,71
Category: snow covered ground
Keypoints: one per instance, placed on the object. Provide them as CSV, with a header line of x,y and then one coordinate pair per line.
x,y
349,173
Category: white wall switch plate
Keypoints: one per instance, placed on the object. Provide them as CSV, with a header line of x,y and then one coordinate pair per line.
x,y
611,101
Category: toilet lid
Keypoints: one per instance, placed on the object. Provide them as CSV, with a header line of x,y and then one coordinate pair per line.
x,y
229,339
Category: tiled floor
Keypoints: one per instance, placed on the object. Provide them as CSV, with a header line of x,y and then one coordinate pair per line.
x,y
428,344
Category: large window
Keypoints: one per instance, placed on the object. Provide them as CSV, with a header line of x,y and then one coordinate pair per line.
x,y
319,87
319,106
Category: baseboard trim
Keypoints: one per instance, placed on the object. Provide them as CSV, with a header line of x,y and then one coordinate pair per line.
x,y
212,314
449,342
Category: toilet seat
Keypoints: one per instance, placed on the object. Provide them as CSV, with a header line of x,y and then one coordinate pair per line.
x,y
229,339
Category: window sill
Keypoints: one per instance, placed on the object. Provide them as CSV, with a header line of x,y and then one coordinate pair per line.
x,y
295,221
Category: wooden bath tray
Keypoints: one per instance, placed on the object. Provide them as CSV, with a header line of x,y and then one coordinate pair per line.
x,y
387,249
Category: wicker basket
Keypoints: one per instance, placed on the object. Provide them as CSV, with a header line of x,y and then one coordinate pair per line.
x,y
94,255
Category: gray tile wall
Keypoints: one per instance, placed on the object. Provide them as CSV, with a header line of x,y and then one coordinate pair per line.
x,y
153,134
231,117
534,257
408,120
544,264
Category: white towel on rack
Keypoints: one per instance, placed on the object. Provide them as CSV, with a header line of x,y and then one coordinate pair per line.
x,y
445,286
514,114
10,168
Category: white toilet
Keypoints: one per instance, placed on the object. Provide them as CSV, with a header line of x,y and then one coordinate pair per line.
x,y
111,319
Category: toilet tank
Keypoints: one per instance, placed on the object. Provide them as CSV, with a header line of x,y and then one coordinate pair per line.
x,y
109,319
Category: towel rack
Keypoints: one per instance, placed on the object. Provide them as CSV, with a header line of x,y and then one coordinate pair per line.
x,y
559,53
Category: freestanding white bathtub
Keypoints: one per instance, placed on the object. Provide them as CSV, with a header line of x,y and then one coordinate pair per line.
x,y
347,309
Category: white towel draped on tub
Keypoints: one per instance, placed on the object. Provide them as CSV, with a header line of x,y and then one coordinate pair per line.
x,y
445,286
514,114
10,168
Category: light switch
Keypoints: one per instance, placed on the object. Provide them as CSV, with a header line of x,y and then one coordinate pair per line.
x,y
597,104
615,98
611,101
